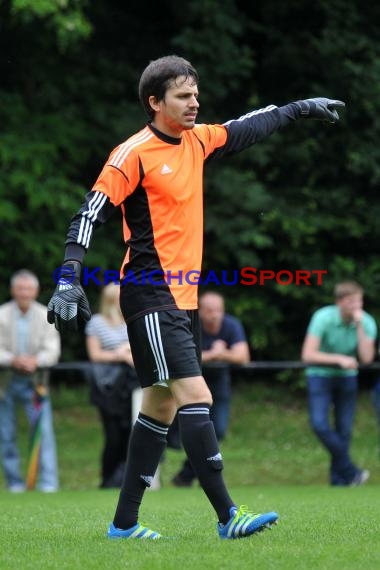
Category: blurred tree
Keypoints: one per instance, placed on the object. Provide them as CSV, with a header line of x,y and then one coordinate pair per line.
x,y
306,198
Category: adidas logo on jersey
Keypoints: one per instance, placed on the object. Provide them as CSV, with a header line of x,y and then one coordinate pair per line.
x,y
166,169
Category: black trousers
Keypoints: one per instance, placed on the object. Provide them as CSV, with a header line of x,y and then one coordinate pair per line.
x,y
116,438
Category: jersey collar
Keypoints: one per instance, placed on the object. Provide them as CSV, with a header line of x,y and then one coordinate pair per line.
x,y
163,137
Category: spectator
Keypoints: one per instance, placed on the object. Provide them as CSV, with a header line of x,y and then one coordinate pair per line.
x,y
27,344
223,343
108,348
338,338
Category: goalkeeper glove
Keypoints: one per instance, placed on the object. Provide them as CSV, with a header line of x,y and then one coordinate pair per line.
x,y
320,108
68,308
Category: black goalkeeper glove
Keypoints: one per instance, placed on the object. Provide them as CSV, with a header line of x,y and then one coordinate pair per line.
x,y
68,308
320,108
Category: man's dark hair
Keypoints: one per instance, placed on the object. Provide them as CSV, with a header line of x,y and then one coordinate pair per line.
x,y
159,75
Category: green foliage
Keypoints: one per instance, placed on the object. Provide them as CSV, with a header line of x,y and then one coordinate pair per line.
x,y
213,36
306,198
65,18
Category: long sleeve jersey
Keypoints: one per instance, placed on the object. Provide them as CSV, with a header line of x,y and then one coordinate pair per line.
x,y
157,181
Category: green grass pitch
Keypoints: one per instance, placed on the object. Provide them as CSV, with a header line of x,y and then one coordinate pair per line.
x,y
272,462
320,528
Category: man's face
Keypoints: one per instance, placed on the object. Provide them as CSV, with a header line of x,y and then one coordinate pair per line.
x,y
24,292
211,312
349,304
179,108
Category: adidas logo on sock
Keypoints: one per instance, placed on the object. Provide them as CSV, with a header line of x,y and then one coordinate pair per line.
x,y
147,479
217,457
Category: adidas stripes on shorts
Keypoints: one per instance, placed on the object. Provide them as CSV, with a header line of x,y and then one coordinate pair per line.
x,y
165,345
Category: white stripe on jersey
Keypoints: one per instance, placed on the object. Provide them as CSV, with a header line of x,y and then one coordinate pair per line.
x,y
130,144
257,112
89,216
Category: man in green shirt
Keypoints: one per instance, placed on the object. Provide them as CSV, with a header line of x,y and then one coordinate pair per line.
x,y
338,339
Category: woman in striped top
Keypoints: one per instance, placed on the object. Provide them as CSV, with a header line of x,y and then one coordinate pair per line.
x,y
108,347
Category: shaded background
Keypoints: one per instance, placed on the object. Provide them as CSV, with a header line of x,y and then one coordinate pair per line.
x,y
306,198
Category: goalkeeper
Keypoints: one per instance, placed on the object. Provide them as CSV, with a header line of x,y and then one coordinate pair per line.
x,y
156,178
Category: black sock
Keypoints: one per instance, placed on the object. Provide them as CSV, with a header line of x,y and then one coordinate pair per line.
x,y
201,446
146,445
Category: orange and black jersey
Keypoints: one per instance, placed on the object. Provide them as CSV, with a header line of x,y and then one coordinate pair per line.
x,y
157,181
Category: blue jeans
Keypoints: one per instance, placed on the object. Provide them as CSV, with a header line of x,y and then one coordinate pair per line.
x,y
376,400
21,390
376,403
338,394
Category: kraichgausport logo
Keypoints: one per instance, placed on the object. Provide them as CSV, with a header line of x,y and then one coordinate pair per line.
x,y
247,276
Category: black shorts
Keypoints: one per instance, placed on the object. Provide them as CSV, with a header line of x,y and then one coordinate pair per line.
x,y
165,345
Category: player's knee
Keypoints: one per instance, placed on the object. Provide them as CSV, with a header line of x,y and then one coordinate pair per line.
x,y
166,411
191,391
206,397
158,407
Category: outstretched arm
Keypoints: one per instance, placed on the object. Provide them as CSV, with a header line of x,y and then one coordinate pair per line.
x,y
257,125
